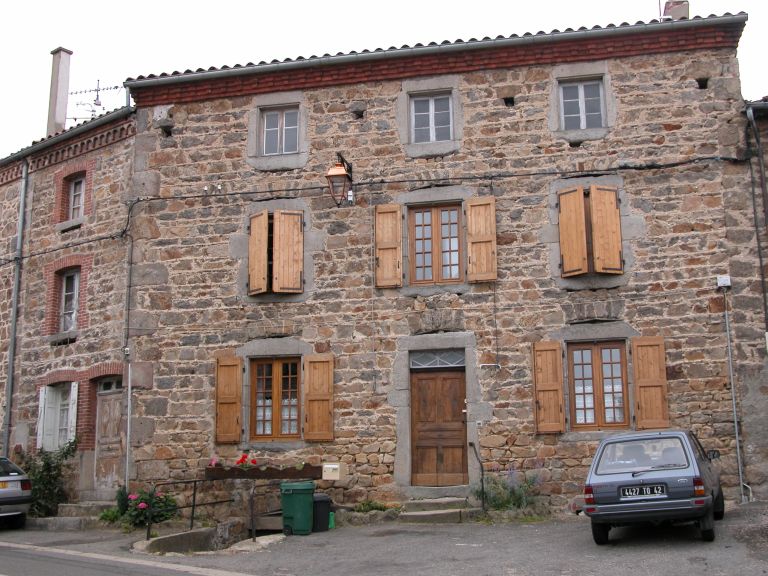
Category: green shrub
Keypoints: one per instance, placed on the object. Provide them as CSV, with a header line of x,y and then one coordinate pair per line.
x,y
121,500
369,505
509,490
142,505
46,471
110,516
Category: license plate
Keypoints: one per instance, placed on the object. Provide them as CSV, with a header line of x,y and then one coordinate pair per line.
x,y
642,491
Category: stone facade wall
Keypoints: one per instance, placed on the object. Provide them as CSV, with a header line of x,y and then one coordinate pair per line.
x,y
94,243
669,150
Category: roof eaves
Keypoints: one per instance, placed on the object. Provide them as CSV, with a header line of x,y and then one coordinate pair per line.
x,y
433,47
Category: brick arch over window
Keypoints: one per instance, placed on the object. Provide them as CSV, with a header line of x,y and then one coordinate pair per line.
x,y
63,178
53,273
86,396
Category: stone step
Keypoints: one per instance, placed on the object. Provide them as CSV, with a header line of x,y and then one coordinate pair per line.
x,y
426,504
84,509
63,523
452,516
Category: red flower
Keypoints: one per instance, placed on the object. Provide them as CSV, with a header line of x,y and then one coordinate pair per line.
x,y
242,460
253,461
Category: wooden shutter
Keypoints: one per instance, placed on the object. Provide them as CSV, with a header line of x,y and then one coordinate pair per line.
x,y
288,251
42,428
389,250
257,253
318,397
481,239
548,387
573,233
650,374
229,390
72,412
605,220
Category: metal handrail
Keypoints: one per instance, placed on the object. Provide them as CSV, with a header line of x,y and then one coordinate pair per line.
x,y
194,504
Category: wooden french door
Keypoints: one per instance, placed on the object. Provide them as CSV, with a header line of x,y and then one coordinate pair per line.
x,y
438,429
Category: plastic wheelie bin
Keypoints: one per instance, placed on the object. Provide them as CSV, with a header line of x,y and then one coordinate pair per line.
x,y
321,512
297,502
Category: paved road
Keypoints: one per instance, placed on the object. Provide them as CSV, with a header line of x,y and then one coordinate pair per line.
x,y
561,547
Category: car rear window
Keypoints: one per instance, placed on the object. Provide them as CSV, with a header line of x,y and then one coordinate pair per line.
x,y
8,468
646,454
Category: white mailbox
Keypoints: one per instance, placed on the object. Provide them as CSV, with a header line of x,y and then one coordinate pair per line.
x,y
334,471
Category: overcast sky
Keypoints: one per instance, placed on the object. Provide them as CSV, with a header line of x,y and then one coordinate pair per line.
x,y
113,41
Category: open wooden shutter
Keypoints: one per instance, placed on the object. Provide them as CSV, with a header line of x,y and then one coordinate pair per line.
x,y
481,239
72,412
389,251
42,398
229,390
318,397
288,251
548,387
573,233
650,374
257,253
605,220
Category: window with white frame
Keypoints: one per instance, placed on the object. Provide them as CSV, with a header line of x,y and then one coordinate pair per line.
x,y
431,118
581,105
57,415
75,203
280,131
70,285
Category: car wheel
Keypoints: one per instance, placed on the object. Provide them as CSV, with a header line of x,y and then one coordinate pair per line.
x,y
719,505
707,526
600,533
19,521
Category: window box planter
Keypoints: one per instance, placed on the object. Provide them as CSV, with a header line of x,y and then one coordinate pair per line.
x,y
300,471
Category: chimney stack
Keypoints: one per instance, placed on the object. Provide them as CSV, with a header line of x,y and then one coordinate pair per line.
x,y
676,9
57,105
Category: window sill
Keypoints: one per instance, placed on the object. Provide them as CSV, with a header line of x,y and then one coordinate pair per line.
x,y
431,289
63,338
432,149
279,162
578,136
70,224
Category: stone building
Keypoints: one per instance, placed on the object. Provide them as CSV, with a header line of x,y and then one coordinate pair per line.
x,y
527,261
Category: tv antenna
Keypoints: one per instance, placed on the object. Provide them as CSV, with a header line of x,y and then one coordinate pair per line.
x,y
93,106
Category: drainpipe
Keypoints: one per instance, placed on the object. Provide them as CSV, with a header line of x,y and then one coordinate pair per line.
x,y
127,353
14,309
725,285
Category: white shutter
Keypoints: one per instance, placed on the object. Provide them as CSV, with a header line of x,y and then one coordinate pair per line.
x,y
51,419
72,423
41,400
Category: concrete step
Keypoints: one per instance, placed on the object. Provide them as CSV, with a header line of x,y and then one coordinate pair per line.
x,y
84,509
63,523
451,516
426,504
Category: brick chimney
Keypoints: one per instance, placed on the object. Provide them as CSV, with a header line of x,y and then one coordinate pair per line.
x,y
676,9
57,104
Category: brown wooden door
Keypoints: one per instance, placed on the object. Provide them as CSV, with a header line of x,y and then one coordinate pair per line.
x,y
438,429
110,441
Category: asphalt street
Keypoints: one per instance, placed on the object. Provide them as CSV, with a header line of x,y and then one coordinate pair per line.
x,y
556,547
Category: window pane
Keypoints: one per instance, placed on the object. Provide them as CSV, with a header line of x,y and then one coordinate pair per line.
x,y
571,108
291,118
594,121
442,133
570,92
421,135
572,123
271,142
291,140
442,104
421,105
421,121
592,90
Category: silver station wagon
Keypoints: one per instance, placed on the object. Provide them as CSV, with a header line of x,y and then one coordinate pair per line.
x,y
653,477
15,493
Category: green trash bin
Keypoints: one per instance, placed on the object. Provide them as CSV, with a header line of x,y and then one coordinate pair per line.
x,y
297,501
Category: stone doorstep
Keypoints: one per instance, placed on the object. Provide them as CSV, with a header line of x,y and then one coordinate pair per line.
x,y
452,516
447,503
84,509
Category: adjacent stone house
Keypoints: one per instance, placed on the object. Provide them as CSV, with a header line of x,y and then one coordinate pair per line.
x,y
528,260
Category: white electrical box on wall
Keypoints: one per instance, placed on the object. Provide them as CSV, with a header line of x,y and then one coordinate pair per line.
x,y
334,470
723,281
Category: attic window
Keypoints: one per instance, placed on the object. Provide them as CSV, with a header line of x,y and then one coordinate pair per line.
x,y
509,101
702,82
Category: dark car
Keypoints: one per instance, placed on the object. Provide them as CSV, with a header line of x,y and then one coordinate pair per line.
x,y
653,477
15,493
